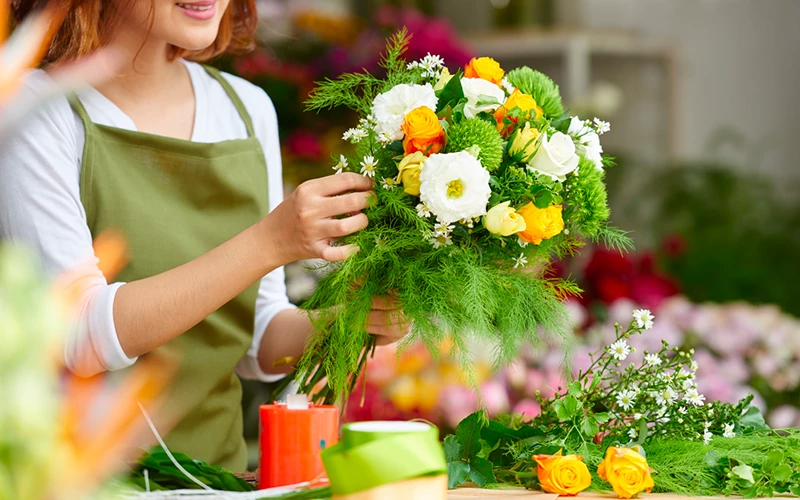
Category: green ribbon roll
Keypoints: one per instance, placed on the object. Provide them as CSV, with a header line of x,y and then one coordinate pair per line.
x,y
371,454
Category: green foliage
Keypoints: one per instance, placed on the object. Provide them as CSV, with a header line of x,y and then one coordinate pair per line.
x,y
163,475
463,453
587,199
543,89
467,133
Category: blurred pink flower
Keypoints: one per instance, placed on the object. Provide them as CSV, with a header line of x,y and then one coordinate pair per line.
x,y
547,383
784,416
456,403
495,397
305,145
527,407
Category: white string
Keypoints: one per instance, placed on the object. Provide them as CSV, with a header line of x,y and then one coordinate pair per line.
x,y
169,454
147,480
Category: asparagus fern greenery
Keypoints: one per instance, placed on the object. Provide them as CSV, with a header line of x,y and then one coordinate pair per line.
x,y
694,447
479,181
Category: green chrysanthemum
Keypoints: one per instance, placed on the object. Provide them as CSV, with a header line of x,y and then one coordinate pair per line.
x,y
469,133
589,198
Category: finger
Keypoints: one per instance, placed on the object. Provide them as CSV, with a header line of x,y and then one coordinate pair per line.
x,y
352,203
385,332
335,254
342,183
343,227
385,303
391,319
384,341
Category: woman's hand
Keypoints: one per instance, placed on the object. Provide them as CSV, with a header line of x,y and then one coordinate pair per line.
x,y
305,225
387,321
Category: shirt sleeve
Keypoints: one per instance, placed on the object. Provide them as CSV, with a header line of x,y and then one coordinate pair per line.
x,y
272,298
40,208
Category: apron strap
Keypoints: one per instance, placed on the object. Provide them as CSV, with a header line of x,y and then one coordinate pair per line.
x,y
248,122
77,105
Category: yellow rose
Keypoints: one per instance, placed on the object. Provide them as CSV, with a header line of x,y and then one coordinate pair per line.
x,y
486,68
444,77
541,223
503,220
423,132
409,170
517,99
523,145
563,475
626,470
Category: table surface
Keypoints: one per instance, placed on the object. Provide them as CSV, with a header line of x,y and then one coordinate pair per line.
x,y
483,494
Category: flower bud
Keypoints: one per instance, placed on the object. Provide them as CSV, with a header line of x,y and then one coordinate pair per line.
x,y
523,144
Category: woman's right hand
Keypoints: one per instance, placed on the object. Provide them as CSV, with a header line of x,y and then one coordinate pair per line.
x,y
305,225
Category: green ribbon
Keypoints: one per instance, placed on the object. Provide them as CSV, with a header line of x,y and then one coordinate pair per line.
x,y
371,454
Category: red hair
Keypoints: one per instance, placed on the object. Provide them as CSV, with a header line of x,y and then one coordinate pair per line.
x,y
89,24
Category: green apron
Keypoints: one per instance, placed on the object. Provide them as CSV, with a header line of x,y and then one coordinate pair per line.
x,y
174,200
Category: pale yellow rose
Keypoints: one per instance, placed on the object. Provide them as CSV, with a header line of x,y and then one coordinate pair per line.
x,y
409,169
503,220
444,77
523,145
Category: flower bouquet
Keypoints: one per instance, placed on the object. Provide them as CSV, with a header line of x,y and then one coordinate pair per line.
x,y
481,178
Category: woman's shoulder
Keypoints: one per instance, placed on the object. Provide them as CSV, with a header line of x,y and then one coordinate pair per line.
x,y
39,104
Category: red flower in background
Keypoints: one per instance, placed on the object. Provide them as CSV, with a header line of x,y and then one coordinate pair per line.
x,y
304,144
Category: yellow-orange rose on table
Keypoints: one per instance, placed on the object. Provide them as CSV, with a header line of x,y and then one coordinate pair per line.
x,y
409,170
540,223
503,220
517,99
627,472
423,132
563,475
486,68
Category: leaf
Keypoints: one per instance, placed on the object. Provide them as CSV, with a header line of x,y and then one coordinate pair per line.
x,y
457,473
481,472
782,473
744,472
602,417
544,201
795,489
451,93
589,427
574,387
468,433
452,448
774,457
753,418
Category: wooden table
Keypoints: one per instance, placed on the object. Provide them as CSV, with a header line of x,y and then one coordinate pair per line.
x,y
484,494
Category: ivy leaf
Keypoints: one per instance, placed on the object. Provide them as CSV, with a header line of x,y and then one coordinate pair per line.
x,y
457,473
774,457
589,427
481,472
452,448
744,472
567,408
782,473
468,433
752,418
602,418
543,201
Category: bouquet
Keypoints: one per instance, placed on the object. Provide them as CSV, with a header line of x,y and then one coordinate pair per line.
x,y
481,178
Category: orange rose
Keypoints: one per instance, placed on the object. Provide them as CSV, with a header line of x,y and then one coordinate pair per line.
x,y
626,470
540,223
563,475
486,68
517,99
423,132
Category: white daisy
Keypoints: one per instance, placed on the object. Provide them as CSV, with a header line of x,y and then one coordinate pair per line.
x,y
666,396
682,410
423,211
652,360
667,377
520,261
521,242
637,416
384,138
507,86
693,366
707,437
368,165
341,165
626,399
443,228
728,432
389,183
620,349
632,433
693,397
689,384
354,135
600,126
440,240
643,318
684,373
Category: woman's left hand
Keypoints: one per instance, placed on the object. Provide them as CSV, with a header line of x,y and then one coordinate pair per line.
x,y
387,321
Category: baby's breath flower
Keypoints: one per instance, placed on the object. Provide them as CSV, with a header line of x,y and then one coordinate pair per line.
x,y
384,138
520,261
652,360
728,432
643,318
626,399
620,349
368,165
423,211
600,126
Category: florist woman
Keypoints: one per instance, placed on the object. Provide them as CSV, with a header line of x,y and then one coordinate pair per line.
x,y
185,162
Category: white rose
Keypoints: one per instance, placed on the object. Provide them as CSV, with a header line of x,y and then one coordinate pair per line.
x,y
587,142
556,157
482,95
391,108
454,186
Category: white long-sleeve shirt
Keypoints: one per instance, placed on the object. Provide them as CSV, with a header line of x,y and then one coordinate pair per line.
x,y
40,206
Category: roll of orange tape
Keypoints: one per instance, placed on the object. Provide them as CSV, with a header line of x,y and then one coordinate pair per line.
x,y
291,442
